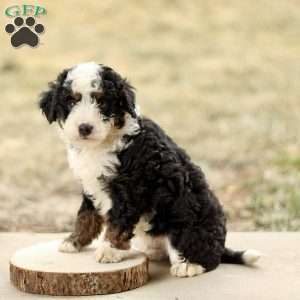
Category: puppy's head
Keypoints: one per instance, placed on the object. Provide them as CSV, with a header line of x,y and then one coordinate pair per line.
x,y
89,102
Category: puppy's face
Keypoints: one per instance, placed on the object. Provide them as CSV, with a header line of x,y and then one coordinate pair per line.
x,y
89,102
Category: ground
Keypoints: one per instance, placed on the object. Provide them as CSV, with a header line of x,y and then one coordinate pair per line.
x,y
221,77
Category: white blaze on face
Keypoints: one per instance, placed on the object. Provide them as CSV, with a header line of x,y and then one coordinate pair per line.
x,y
84,79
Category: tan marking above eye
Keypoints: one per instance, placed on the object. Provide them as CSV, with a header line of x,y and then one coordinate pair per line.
x,y
97,94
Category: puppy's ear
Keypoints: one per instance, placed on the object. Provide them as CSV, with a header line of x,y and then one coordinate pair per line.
x,y
128,98
46,104
120,88
48,101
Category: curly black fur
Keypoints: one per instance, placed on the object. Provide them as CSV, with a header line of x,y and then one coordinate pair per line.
x,y
156,176
118,97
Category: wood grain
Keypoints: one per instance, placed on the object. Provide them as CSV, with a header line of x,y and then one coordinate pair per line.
x,y
41,269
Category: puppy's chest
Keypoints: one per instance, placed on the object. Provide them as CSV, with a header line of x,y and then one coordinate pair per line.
x,y
90,164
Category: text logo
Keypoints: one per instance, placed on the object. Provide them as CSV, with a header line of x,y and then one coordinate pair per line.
x,y
24,28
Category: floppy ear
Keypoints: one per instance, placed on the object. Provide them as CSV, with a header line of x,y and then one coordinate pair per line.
x,y
128,98
120,88
48,102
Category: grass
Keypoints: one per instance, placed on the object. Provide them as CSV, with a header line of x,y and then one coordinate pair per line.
x,y
222,77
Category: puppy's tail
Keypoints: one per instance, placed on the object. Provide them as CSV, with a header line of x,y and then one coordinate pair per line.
x,y
248,257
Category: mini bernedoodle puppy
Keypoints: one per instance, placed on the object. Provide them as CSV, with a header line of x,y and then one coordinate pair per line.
x,y
140,189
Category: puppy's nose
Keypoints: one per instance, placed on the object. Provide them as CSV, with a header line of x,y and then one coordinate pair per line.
x,y
85,129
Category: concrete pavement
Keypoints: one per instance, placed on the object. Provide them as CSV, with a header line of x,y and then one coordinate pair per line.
x,y
277,275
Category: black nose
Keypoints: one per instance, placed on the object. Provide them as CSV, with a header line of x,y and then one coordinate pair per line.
x,y
85,129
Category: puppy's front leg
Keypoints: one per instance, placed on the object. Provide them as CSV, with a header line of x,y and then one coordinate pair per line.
x,y
115,245
87,227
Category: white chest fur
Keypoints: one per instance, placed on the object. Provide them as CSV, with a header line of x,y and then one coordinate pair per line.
x,y
88,164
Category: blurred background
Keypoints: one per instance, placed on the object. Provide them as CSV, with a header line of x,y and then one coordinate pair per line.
x,y
221,77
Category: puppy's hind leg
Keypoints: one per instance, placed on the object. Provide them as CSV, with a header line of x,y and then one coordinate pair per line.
x,y
180,266
153,246
87,227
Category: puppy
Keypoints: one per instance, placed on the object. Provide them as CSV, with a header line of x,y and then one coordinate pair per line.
x,y
139,188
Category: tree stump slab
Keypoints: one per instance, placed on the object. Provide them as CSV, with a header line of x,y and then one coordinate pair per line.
x,y
42,269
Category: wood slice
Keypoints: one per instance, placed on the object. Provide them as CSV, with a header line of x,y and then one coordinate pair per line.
x,y
42,269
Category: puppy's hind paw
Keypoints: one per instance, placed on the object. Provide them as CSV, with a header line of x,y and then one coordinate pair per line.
x,y
67,247
184,269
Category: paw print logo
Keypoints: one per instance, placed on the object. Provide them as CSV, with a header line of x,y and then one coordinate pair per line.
x,y
24,33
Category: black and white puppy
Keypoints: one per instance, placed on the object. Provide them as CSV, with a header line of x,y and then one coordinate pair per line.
x,y
139,188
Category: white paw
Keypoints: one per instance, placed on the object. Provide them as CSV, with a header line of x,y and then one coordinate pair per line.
x,y
250,257
106,254
185,269
67,247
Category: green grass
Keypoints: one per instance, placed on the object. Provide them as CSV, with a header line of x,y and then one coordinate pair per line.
x,y
275,205
289,162
222,77
280,210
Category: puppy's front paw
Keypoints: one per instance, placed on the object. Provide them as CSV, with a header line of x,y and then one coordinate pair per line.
x,y
106,254
67,247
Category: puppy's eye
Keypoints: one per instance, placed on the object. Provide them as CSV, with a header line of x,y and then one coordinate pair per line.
x,y
73,99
